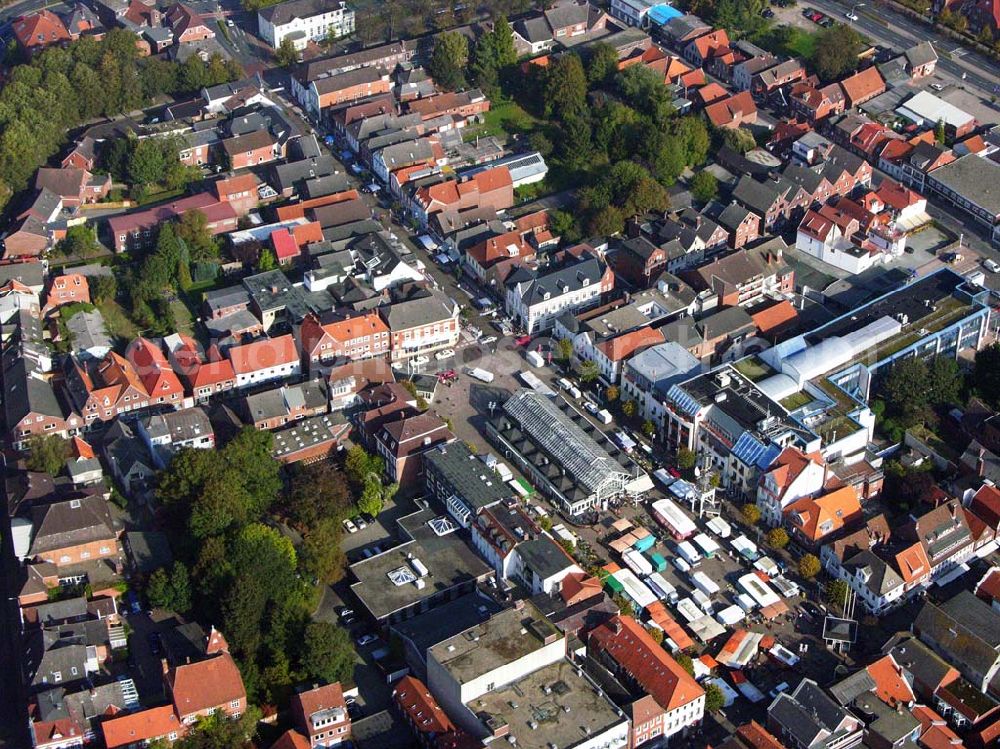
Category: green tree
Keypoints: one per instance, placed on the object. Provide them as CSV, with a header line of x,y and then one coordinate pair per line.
x,y
704,187
316,491
218,732
564,350
539,141
685,459
656,634
684,661
370,501
47,453
939,132
835,593
102,288
448,61
714,699
566,87
588,371
809,566
359,465
147,163
743,19
602,64
266,261
777,538
170,590
321,556
327,652
986,374
738,139
750,513
192,227
286,55
575,146
648,428
907,391
946,381
629,408
80,241
612,393
493,54
836,52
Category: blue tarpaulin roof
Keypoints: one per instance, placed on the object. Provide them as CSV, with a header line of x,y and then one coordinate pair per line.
x,y
660,14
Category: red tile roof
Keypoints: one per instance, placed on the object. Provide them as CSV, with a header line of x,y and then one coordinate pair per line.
x,y
263,354
420,707
986,505
818,517
753,734
735,108
625,345
284,245
862,86
139,727
211,683
775,316
632,648
291,739
40,29
153,368
890,685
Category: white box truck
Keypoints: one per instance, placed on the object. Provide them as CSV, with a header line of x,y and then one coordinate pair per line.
x,y
480,374
636,562
604,416
535,359
704,583
691,556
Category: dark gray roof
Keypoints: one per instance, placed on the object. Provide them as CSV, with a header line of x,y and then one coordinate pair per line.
x,y
230,296
27,393
462,471
183,425
325,185
915,658
543,556
345,212
534,30
758,196
421,311
881,577
70,522
726,322
567,14
149,550
965,633
806,713
564,280
920,54
288,175
348,79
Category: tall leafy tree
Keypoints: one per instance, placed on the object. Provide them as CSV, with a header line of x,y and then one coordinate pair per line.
x,y
566,87
448,60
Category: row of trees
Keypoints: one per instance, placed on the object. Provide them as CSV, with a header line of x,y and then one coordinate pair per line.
x,y
180,245
453,65
148,163
617,134
64,87
913,390
235,570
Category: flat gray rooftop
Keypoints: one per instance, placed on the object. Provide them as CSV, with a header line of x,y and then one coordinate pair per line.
x,y
552,706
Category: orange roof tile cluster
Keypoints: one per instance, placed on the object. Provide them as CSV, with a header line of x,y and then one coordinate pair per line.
x,y
818,517
631,646
504,246
419,705
986,505
658,614
205,684
896,195
912,563
890,685
988,588
263,354
40,29
579,586
291,739
727,111
862,86
774,317
140,727
789,465
153,368
753,734
934,730
623,346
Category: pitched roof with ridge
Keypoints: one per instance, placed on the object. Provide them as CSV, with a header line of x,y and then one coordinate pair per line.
x,y
632,648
